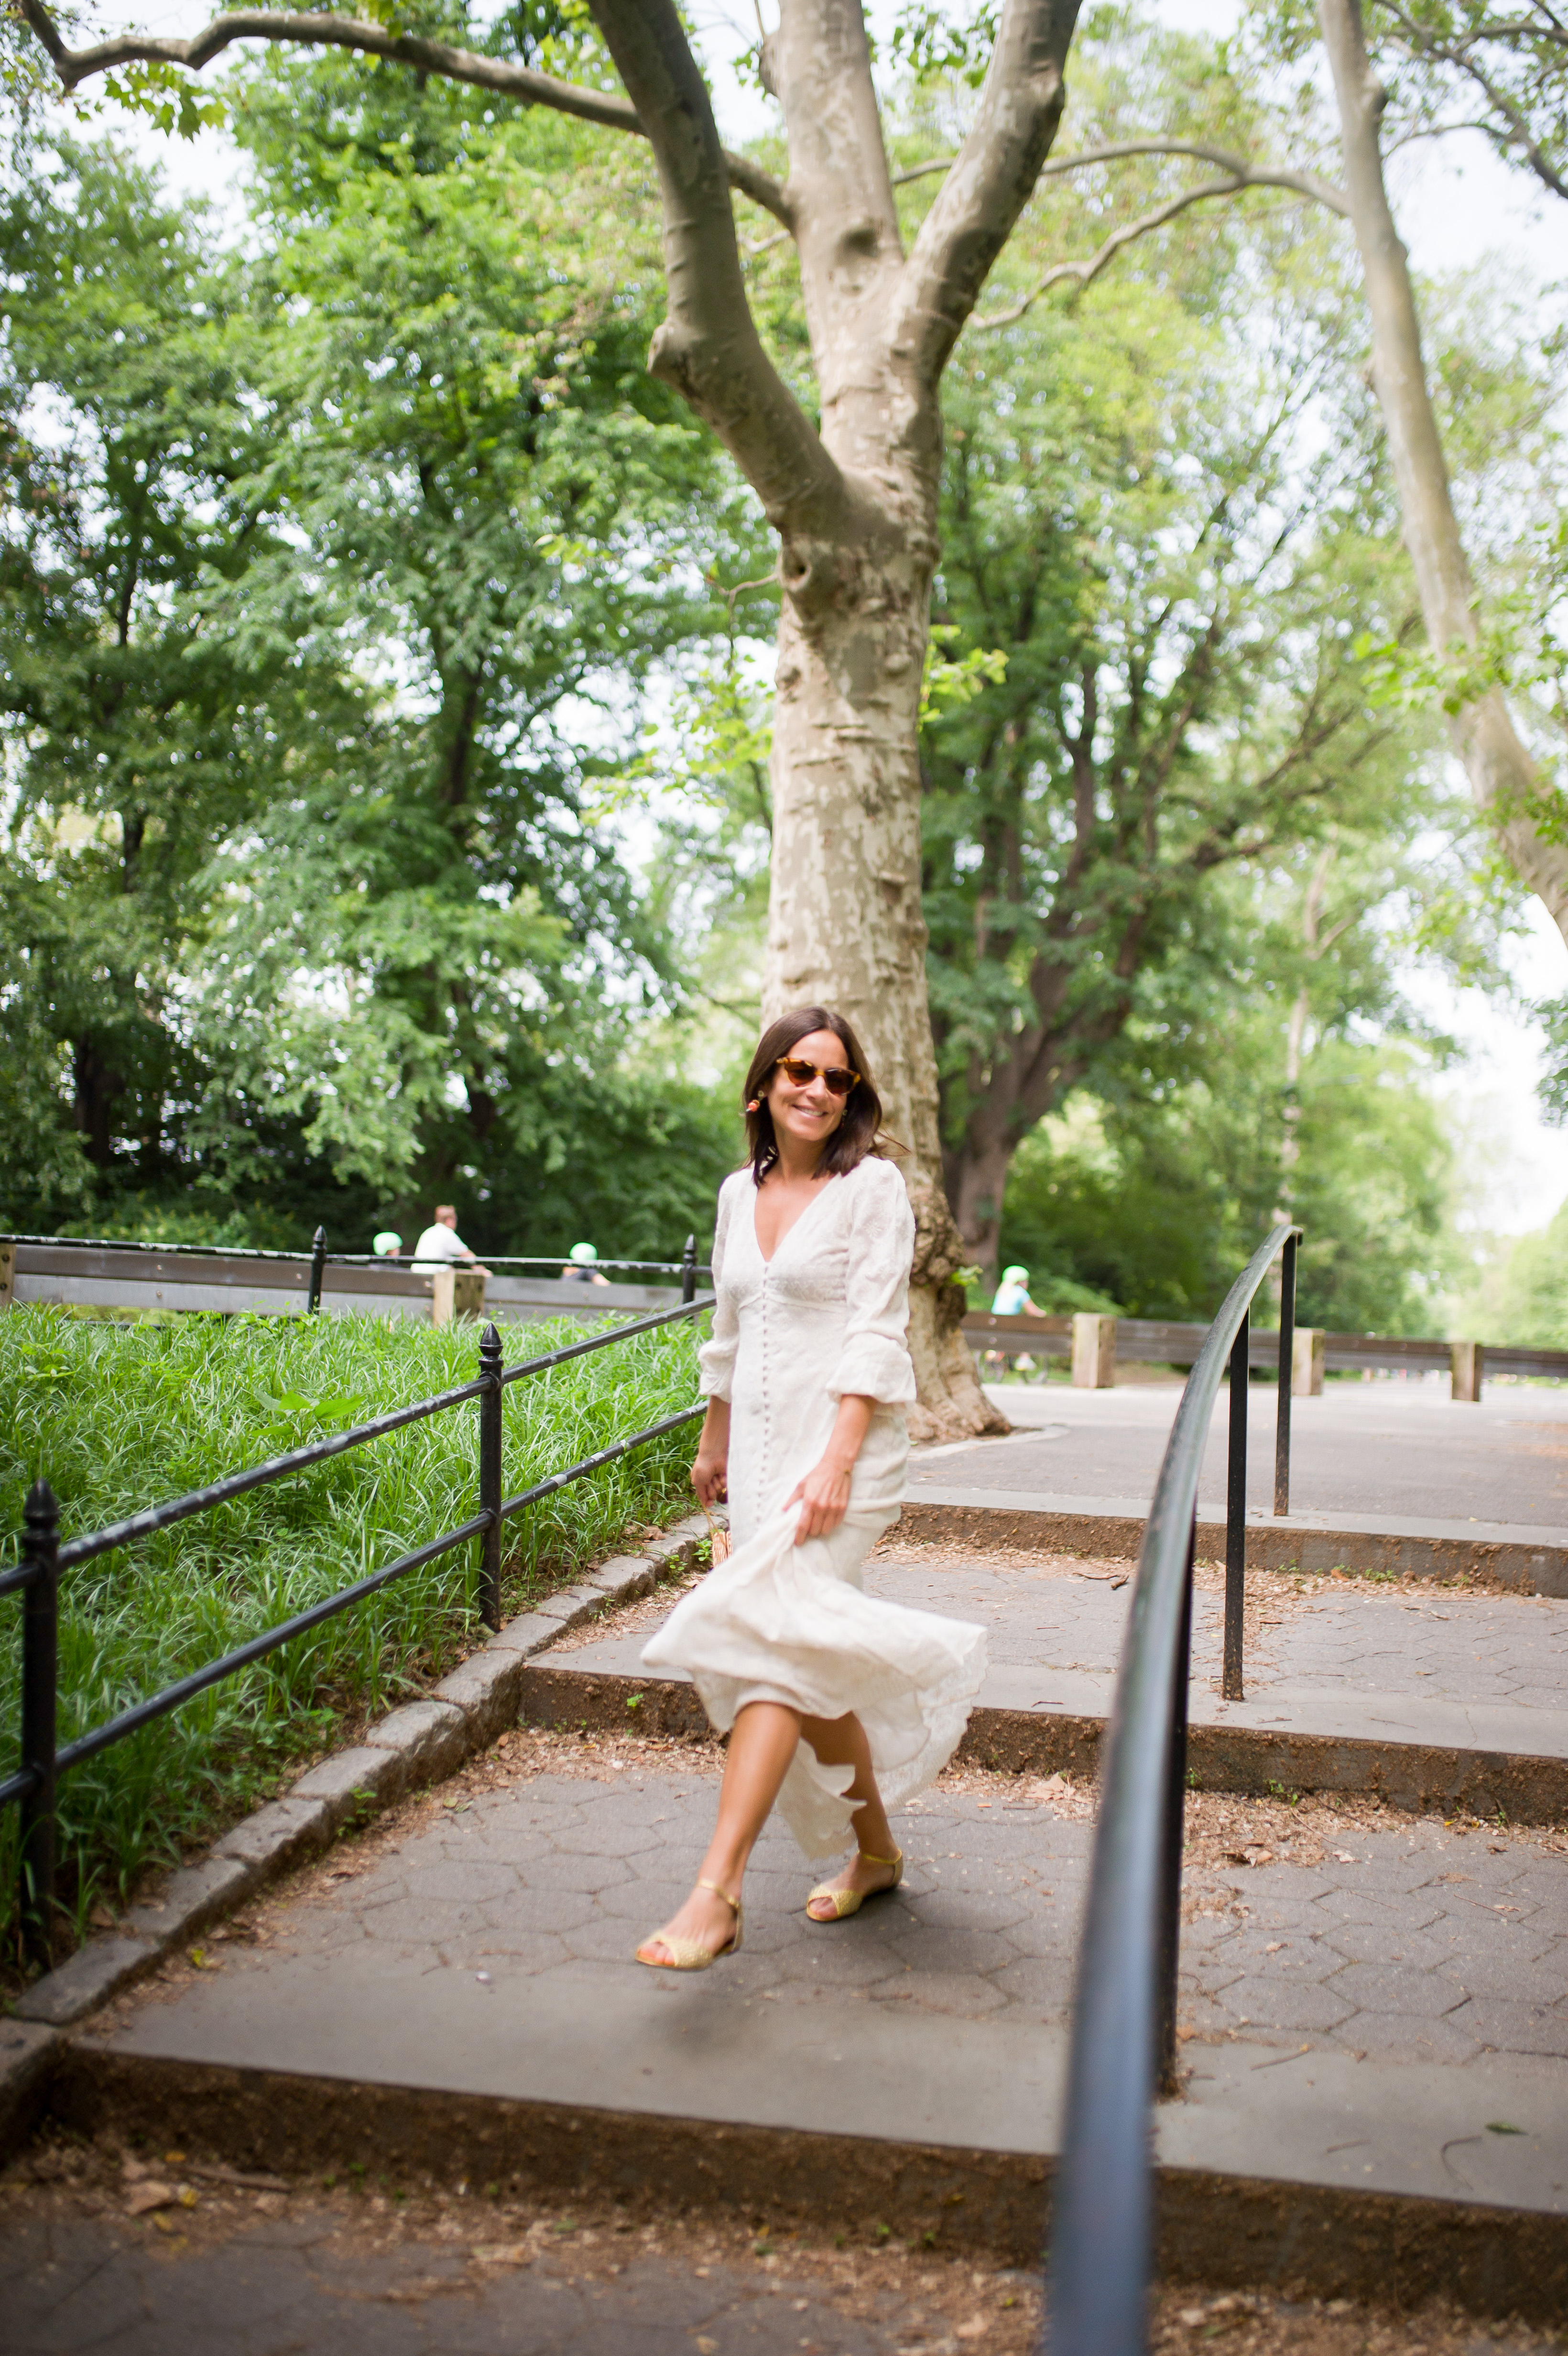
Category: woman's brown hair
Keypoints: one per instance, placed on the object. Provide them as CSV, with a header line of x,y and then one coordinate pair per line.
x,y
856,1135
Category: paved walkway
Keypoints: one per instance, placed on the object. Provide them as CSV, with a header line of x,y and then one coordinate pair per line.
x,y
305,2286
1388,1449
497,1922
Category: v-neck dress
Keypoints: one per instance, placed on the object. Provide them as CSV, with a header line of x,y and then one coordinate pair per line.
x,y
824,1318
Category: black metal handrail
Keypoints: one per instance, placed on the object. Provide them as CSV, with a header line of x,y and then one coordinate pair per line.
x,y
44,1559
1124,2025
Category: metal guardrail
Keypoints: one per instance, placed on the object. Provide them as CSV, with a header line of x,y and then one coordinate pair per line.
x,y
44,1559
1123,2022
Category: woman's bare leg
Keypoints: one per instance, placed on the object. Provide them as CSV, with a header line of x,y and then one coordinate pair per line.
x,y
761,1745
841,1742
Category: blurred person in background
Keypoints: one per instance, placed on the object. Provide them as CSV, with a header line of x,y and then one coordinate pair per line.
x,y
1012,1296
442,1244
582,1269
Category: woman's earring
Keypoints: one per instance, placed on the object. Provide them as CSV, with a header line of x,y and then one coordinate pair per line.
x,y
755,1105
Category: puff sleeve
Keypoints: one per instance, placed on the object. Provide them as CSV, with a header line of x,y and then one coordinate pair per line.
x,y
874,1362
716,1359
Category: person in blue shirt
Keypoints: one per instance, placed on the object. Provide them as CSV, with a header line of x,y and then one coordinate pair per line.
x,y
1012,1295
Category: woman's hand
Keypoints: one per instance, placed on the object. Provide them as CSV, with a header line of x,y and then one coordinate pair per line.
x,y
823,1496
709,1469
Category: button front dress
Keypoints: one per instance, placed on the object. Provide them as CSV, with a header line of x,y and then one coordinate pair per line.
x,y
824,1318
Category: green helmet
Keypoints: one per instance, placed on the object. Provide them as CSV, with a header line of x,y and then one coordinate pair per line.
x,y
1015,1276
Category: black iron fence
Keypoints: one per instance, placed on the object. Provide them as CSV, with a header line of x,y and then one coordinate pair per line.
x,y
44,1560
1123,2022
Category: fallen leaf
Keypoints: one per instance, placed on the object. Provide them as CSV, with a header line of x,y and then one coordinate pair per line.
x,y
976,2329
501,2253
149,2196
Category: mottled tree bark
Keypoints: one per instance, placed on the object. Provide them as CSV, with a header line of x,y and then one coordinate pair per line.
x,y
1528,814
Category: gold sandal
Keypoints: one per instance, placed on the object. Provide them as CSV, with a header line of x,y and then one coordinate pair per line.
x,y
690,1955
850,1902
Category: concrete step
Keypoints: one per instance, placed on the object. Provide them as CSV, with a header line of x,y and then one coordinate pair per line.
x,y
1376,2047
1341,2178
1438,1756
1534,1560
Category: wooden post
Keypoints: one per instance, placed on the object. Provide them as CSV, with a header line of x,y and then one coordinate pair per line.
x,y
442,1288
1307,1363
1469,1362
7,1275
467,1293
1094,1352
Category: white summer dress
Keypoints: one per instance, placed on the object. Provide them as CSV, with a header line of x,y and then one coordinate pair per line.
x,y
778,1621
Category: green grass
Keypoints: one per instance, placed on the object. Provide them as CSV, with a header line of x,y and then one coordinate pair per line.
x,y
122,1416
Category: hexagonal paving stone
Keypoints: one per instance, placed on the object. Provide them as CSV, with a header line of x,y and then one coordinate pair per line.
x,y
1516,1980
1516,2028
466,1879
550,1871
1395,1987
542,1909
1396,2037
950,1992
1276,2003
946,1908
954,1950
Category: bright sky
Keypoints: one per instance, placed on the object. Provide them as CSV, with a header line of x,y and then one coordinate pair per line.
x,y
1456,205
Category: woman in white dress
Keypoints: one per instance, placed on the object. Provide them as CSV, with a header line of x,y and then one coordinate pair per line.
x,y
836,1705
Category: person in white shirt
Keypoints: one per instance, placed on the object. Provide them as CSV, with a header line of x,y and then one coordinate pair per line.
x,y
442,1243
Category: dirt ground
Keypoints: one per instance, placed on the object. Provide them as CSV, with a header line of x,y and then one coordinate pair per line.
x,y
417,2243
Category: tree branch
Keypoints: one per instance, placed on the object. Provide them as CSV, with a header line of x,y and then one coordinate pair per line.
x,y
1309,183
818,63
74,66
988,186
1247,177
709,347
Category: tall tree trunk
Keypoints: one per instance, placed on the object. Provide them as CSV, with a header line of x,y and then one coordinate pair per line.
x,y
1507,783
845,925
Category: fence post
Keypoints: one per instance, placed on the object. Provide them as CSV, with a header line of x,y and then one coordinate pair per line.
x,y
1307,1363
40,1653
1286,1378
1094,1352
689,1270
1467,1361
490,1476
1175,1835
317,1270
1236,1519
